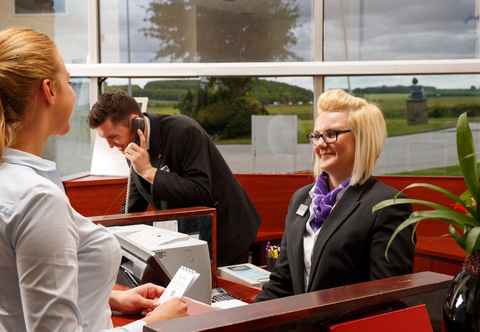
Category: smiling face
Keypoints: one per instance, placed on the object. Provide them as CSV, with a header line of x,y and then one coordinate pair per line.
x,y
118,135
337,158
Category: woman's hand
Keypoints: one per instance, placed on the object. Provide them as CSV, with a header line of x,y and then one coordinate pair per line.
x,y
173,308
135,300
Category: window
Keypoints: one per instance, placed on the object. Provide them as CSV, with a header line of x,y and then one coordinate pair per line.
x,y
421,118
260,124
73,152
206,31
39,7
401,29
66,22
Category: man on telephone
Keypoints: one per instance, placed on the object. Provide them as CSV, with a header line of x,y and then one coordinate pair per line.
x,y
175,164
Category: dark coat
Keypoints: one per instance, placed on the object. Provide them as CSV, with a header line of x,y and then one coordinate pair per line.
x,y
350,245
198,175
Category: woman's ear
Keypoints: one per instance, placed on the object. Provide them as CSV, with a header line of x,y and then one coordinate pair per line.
x,y
47,91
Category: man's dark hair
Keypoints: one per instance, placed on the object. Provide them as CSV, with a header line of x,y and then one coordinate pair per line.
x,y
116,106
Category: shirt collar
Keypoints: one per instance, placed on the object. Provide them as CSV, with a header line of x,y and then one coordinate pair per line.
x,y
14,156
147,132
43,167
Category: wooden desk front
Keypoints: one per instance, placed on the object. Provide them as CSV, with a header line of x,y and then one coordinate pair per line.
x,y
329,304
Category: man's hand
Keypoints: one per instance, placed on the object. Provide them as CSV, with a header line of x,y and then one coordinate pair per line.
x,y
138,156
135,300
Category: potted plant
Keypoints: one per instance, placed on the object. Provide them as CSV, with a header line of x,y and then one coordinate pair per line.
x,y
462,308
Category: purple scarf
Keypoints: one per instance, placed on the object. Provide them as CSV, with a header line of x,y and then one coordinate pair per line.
x,y
324,200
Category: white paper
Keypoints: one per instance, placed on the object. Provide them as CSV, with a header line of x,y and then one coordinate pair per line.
x,y
179,285
227,304
152,239
107,161
170,225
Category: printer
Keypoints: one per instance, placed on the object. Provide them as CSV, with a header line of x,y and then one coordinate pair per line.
x,y
151,254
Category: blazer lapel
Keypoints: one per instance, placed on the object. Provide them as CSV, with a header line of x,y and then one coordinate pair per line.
x,y
347,204
297,257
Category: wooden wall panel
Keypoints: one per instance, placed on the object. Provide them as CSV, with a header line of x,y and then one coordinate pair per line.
x,y
96,196
271,194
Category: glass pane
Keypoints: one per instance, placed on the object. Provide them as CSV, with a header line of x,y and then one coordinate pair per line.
x,y
421,118
65,21
259,124
401,29
206,30
73,152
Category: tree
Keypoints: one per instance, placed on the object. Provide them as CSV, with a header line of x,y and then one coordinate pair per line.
x,y
188,31
198,32
186,105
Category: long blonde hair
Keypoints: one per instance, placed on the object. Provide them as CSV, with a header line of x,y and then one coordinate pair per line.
x,y
26,57
369,129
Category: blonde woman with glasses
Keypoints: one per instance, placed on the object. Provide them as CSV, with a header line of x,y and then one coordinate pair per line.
x,y
57,267
331,236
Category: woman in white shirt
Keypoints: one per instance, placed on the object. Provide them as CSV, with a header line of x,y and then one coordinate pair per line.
x,y
58,268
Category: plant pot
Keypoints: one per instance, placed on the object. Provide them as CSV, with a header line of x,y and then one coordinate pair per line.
x,y
461,310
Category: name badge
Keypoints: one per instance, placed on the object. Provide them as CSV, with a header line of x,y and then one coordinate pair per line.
x,y
302,209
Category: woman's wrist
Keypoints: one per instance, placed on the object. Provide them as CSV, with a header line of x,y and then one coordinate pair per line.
x,y
115,299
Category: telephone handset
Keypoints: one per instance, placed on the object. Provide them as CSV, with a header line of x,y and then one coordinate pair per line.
x,y
137,123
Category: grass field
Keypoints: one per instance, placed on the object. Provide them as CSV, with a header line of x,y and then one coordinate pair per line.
x,y
160,109
437,171
304,112
393,106
399,127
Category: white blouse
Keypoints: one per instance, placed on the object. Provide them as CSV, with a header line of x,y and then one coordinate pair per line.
x,y
57,267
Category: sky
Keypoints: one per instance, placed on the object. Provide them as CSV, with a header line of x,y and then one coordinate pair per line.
x,y
354,30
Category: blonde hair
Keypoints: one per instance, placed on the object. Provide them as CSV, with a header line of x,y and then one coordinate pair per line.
x,y
26,57
368,126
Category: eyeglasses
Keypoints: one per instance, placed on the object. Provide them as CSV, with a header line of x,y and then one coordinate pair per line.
x,y
328,136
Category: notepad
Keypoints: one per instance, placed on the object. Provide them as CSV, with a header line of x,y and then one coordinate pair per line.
x,y
179,285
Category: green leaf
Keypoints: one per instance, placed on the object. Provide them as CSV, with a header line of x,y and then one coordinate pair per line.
x,y
460,239
396,201
413,234
466,156
408,222
456,218
444,192
417,216
439,211
472,239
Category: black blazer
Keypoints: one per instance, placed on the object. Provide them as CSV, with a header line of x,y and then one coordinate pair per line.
x,y
197,175
350,245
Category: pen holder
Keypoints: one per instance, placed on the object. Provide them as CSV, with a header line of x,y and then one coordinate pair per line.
x,y
272,253
271,263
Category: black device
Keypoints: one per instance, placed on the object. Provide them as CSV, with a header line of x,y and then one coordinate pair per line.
x,y
220,294
137,123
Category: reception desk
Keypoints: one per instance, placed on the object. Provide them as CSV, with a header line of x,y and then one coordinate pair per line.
x,y
317,310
